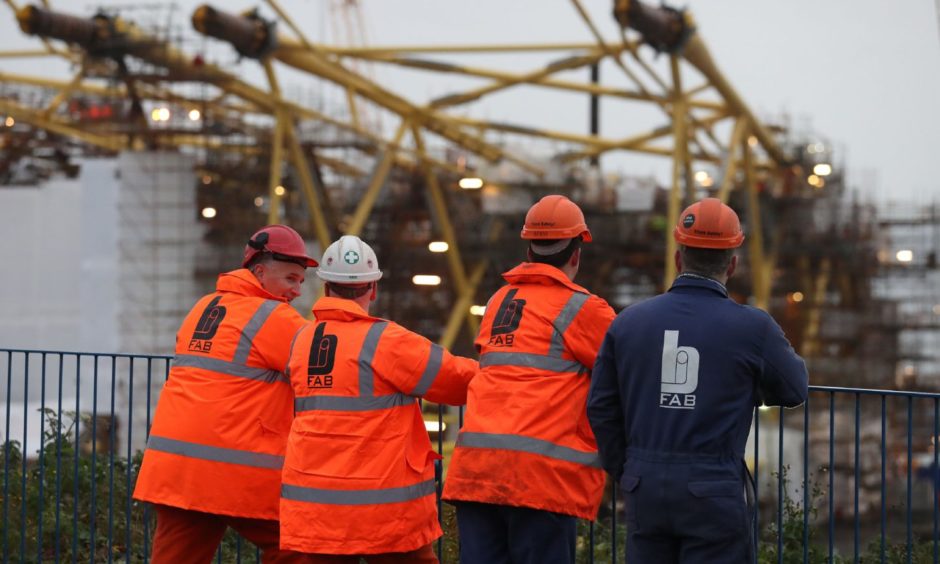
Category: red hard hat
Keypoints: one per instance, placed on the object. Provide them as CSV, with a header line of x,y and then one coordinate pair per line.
x,y
709,224
555,217
280,240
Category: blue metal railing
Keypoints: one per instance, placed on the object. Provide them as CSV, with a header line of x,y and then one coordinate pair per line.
x,y
75,424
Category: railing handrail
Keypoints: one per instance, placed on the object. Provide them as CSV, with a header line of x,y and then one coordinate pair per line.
x,y
78,353
812,388
872,391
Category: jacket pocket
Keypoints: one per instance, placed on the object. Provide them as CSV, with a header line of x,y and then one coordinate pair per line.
x,y
629,485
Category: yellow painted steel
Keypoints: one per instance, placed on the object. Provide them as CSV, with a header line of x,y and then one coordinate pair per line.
x,y
569,63
314,61
462,306
314,206
678,165
64,94
697,54
760,282
61,127
277,144
730,161
817,296
361,215
508,77
462,286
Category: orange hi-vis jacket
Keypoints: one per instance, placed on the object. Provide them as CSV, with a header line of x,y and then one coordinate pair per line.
x,y
526,440
359,470
220,428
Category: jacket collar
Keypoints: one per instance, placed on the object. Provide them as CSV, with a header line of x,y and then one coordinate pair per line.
x,y
695,281
339,308
539,273
244,283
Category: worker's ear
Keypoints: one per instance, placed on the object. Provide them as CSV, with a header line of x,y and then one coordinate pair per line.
x,y
375,291
575,259
732,265
678,260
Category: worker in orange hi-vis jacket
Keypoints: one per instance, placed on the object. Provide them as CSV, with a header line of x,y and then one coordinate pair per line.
x,y
526,463
359,473
216,447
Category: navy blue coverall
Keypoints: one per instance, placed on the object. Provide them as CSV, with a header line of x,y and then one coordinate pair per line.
x,y
671,402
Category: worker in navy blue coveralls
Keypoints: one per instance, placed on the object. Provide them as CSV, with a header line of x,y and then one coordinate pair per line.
x,y
672,398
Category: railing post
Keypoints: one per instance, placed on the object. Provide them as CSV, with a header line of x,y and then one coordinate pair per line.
x,y
832,436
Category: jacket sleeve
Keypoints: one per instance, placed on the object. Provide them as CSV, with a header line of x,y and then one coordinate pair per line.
x,y
273,341
784,380
586,332
427,370
604,409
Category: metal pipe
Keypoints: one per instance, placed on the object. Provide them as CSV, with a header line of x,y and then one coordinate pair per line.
x,y
83,32
249,34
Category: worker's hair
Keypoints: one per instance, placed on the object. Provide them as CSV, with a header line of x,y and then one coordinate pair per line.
x,y
558,259
707,262
260,258
347,291
267,257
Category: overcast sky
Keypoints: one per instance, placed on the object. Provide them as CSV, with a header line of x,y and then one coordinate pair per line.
x,y
862,74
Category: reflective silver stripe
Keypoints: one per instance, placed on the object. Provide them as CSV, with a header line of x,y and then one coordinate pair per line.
x,y
564,319
350,403
371,342
216,454
357,497
528,444
251,329
229,368
528,360
430,371
290,352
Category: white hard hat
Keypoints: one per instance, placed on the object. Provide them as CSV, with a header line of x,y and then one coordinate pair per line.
x,y
349,261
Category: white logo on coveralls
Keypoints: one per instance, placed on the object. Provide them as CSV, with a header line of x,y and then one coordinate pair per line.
x,y
679,375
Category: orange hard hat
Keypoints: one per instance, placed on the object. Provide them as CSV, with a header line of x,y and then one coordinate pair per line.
x,y
555,217
281,241
709,224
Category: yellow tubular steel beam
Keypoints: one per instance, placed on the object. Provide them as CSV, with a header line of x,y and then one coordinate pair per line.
x,y
353,109
730,162
635,142
439,206
382,168
65,93
569,63
678,160
302,167
698,56
588,88
755,236
314,61
462,306
277,144
615,56
36,119
24,53
389,50
274,178
542,133
810,346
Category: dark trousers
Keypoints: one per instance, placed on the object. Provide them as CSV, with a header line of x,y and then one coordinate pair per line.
x,y
501,534
689,512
